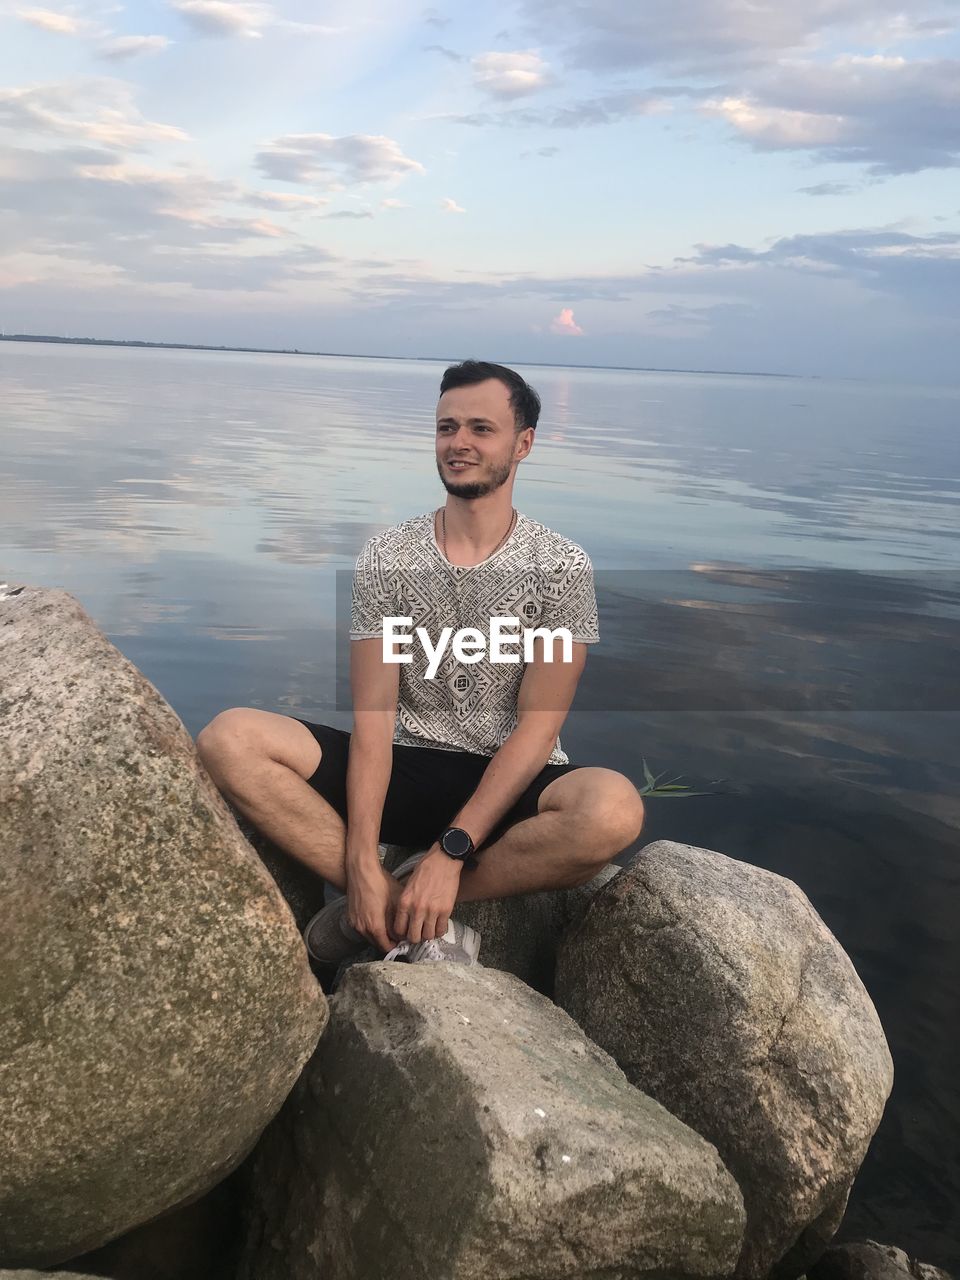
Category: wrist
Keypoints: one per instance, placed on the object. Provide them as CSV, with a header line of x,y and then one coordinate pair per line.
x,y
437,855
363,860
457,844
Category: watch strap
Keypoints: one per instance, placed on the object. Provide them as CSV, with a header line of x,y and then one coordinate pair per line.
x,y
466,858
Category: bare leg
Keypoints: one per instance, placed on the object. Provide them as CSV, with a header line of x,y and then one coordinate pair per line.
x,y
260,761
585,818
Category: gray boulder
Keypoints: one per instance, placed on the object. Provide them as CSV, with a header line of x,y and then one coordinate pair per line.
x,y
453,1123
156,1005
721,993
867,1260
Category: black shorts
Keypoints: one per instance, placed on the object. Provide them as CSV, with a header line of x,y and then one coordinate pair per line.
x,y
428,786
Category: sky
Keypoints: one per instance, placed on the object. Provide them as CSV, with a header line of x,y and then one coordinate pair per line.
x,y
744,185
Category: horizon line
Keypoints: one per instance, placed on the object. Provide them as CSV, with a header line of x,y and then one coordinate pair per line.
x,y
356,355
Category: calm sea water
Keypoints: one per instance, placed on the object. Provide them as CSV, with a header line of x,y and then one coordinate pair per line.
x,y
777,568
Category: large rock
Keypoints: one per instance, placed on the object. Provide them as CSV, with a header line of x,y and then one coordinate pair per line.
x,y
867,1260
453,1123
721,993
156,1005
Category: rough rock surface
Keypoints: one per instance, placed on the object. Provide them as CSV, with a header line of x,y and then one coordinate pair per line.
x,y
156,1005
453,1123
198,1242
43,1275
867,1260
722,994
302,888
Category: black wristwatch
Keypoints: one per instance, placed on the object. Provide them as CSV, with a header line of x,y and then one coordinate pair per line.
x,y
456,844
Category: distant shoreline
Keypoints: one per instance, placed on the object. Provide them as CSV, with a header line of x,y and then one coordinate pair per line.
x,y
352,355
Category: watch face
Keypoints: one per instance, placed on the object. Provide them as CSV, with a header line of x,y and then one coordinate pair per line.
x,y
456,842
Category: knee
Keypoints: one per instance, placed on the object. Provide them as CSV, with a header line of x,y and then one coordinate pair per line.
x,y
228,734
615,816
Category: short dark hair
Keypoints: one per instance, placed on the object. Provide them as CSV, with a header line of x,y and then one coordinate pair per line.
x,y
523,399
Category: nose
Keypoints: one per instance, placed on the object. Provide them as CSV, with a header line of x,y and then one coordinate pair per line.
x,y
458,439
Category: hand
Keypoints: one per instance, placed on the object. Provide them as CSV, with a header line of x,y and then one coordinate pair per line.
x,y
372,896
427,899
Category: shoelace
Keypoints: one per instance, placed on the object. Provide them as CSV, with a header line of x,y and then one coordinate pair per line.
x,y
430,950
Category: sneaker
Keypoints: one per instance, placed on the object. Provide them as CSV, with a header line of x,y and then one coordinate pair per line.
x,y
330,938
404,869
460,943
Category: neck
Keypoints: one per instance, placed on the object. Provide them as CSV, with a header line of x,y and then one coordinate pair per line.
x,y
478,522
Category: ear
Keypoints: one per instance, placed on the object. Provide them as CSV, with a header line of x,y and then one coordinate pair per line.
x,y
523,444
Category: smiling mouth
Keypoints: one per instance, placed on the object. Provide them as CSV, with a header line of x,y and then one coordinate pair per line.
x,y
460,466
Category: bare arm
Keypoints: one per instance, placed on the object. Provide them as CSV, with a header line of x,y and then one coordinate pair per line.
x,y
546,693
375,688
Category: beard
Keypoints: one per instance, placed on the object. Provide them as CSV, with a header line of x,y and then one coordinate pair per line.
x,y
497,475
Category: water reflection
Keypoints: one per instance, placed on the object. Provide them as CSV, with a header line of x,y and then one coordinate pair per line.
x,y
776,563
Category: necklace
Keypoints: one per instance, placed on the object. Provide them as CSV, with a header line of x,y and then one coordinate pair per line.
x,y
443,534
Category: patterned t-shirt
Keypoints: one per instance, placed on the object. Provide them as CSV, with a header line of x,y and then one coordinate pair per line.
x,y
538,576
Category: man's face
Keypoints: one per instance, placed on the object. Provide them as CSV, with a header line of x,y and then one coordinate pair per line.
x,y
477,442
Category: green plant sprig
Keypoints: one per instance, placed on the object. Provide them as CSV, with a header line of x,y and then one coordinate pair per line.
x,y
667,790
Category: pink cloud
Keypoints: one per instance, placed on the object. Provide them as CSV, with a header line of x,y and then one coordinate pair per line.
x,y
565,323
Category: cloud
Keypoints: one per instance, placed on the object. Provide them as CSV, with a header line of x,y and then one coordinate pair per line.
x,y
510,75
246,18
50,20
829,189
349,214
393,204
861,302
95,110
922,270
783,85
330,163
224,17
125,47
859,252
871,302
75,212
564,323
677,316
451,206
578,114
450,54
434,18
284,201
899,28
118,49
921,273
888,113
698,35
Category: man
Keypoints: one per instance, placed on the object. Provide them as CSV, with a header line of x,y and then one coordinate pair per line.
x,y
469,762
